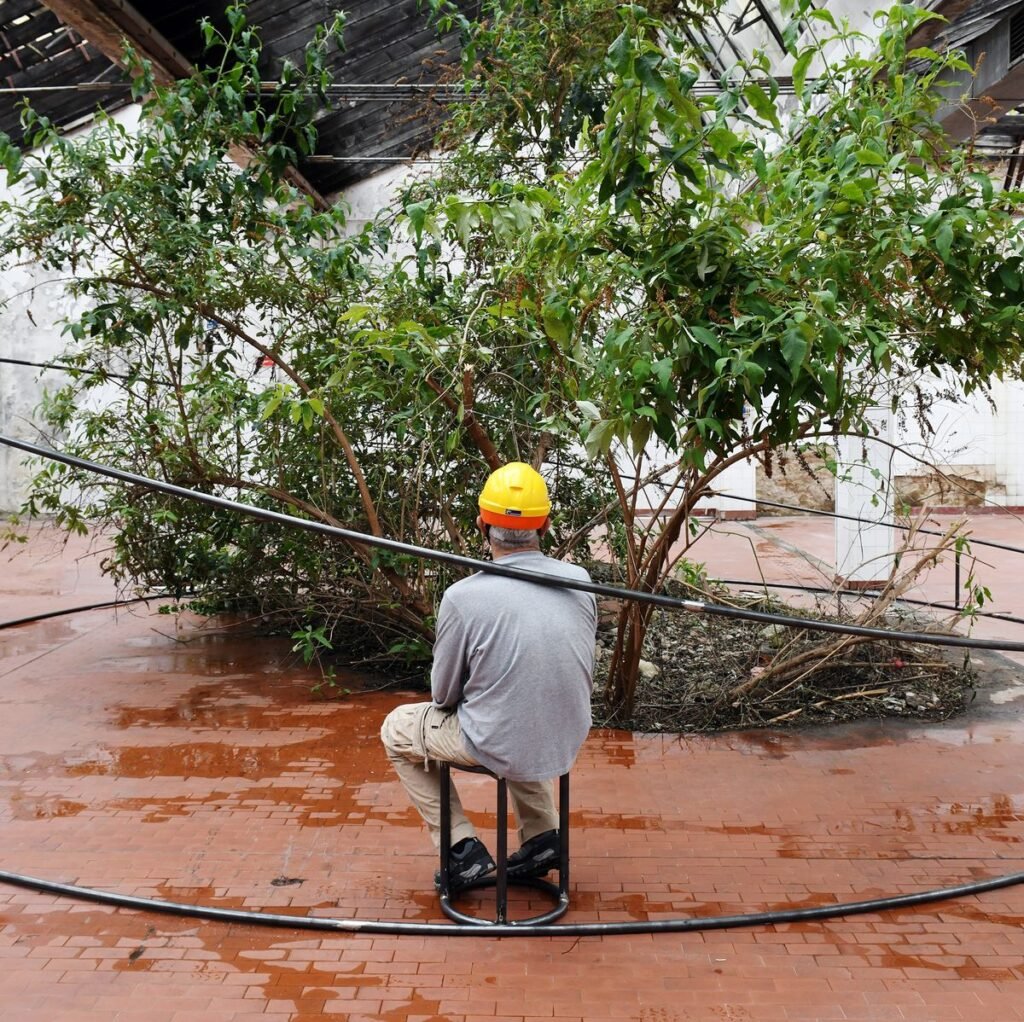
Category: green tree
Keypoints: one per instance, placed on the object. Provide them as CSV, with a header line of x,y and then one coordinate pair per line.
x,y
608,262
259,350
721,276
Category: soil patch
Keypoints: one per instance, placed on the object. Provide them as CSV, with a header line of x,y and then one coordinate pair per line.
x,y
704,673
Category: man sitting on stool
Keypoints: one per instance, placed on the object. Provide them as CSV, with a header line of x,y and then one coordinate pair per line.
x,y
511,685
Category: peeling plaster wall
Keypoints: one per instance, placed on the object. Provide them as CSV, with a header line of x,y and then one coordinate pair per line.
x,y
35,339
32,304
975,441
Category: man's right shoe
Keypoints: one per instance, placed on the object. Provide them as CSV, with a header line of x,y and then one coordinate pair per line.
x,y
471,862
537,857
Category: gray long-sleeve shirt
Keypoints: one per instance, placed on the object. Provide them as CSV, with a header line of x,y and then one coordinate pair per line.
x,y
517,659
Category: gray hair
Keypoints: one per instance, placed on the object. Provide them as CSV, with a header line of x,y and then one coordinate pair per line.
x,y
514,537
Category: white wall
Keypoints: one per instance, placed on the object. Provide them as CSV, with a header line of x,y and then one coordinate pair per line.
x,y
21,388
33,302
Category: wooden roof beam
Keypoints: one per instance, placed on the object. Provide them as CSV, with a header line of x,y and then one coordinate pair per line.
x,y
108,23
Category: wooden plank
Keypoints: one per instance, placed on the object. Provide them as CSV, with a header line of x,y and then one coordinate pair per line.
x,y
374,32
387,41
43,23
61,111
363,29
14,9
180,22
63,69
389,140
28,55
406,60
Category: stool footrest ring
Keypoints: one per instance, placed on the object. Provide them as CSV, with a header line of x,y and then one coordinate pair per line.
x,y
500,880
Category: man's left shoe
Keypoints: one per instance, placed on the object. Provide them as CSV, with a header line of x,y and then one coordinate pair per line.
x,y
537,857
471,862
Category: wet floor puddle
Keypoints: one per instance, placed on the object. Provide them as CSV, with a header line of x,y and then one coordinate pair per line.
x,y
227,728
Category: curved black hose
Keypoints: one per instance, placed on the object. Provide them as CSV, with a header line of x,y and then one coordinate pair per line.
x,y
399,928
506,929
425,553
862,521
64,368
863,593
761,502
46,615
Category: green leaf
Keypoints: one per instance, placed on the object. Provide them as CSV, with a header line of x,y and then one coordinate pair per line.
x,y
753,373
800,66
619,53
760,164
705,336
646,70
272,405
354,313
1010,278
417,214
794,350
557,323
944,240
985,183
599,439
765,108
869,158
852,192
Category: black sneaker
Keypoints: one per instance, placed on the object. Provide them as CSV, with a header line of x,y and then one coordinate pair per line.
x,y
471,862
538,856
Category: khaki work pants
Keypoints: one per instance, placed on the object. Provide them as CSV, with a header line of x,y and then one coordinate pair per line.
x,y
416,734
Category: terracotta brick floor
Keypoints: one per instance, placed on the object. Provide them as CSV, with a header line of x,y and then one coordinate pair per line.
x,y
157,758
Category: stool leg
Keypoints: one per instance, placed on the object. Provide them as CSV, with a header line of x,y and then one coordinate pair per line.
x,y
563,836
446,827
501,884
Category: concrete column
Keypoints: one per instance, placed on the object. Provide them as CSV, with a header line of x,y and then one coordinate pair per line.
x,y
1008,428
863,490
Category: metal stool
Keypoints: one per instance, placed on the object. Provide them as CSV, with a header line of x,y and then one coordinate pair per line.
x,y
500,879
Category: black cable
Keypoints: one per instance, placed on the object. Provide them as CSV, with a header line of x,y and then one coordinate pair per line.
x,y
864,521
772,917
398,928
65,368
758,584
46,615
711,493
492,568
829,514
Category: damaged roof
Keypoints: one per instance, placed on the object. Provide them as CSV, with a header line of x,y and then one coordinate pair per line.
x,y
58,55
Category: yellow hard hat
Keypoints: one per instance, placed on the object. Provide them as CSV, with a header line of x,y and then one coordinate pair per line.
x,y
515,497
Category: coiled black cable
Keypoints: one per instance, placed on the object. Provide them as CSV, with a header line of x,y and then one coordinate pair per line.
x,y
400,928
772,917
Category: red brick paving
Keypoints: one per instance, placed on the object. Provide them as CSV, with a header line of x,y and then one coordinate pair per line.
x,y
167,761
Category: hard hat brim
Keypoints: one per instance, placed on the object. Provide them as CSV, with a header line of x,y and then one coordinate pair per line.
x,y
512,521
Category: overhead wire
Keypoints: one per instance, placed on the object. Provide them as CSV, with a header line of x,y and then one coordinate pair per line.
x,y
352,536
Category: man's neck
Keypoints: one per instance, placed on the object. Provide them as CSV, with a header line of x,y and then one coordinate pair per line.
x,y
497,552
